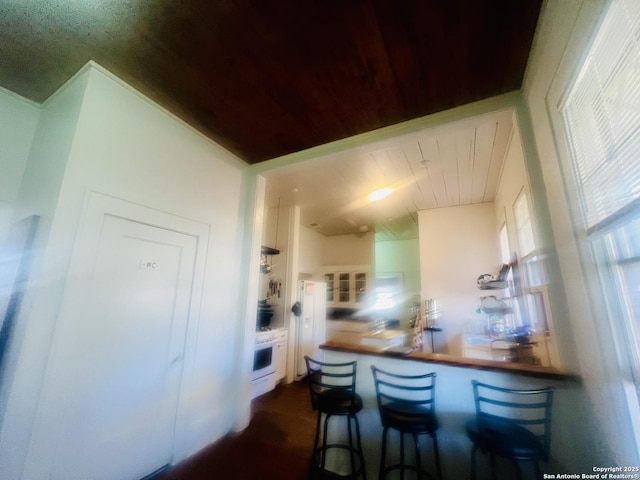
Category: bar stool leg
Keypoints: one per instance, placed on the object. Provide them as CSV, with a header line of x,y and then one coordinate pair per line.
x,y
317,436
493,466
353,463
314,452
383,453
474,451
536,466
515,464
416,446
324,442
436,452
362,465
401,456
322,449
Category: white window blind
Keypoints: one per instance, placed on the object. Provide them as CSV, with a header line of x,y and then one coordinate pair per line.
x,y
602,116
602,121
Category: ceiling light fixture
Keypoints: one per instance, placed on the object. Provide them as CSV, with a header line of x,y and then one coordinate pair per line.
x,y
379,194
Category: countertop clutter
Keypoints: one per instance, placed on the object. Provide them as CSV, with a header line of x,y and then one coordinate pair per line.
x,y
487,281
364,332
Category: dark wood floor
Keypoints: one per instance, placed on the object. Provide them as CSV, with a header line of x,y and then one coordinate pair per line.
x,y
276,445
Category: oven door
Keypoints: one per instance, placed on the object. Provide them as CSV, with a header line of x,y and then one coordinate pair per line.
x,y
264,360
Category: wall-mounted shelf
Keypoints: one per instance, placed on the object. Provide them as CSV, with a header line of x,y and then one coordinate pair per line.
x,y
492,285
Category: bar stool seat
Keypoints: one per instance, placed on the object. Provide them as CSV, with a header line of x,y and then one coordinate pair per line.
x,y
339,402
505,439
409,418
332,388
406,403
514,424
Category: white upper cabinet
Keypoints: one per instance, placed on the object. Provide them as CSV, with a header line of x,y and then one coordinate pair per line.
x,y
347,285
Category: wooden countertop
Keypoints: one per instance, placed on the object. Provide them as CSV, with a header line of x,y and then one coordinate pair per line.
x,y
456,361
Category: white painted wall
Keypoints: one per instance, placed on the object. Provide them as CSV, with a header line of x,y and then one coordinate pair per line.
x,y
400,256
311,252
18,122
596,426
457,244
100,135
38,195
281,219
352,249
254,216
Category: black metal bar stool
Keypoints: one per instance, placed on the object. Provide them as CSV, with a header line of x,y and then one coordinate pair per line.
x,y
333,392
512,424
407,404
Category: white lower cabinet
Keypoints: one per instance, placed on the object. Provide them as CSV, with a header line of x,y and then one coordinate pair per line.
x,y
281,355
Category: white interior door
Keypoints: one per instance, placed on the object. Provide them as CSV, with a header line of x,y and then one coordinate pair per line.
x,y
127,354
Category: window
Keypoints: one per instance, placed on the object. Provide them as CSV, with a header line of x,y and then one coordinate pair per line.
x,y
532,266
503,238
618,258
526,241
622,249
388,287
514,319
529,282
601,115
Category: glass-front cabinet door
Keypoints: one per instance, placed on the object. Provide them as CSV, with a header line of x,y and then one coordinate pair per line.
x,y
344,287
360,287
329,280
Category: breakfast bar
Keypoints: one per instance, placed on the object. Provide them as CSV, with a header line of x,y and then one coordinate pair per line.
x,y
454,398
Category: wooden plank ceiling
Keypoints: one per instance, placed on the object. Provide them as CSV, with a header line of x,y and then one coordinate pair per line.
x,y
455,164
268,78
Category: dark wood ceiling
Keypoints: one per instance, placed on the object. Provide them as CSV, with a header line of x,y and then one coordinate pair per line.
x,y
268,78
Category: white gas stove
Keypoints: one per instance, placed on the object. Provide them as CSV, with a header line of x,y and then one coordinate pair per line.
x,y
263,378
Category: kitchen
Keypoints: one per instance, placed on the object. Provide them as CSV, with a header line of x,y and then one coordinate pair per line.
x,y
436,257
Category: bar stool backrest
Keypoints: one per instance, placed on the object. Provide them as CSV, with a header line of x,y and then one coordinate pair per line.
x,y
325,376
530,409
418,390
